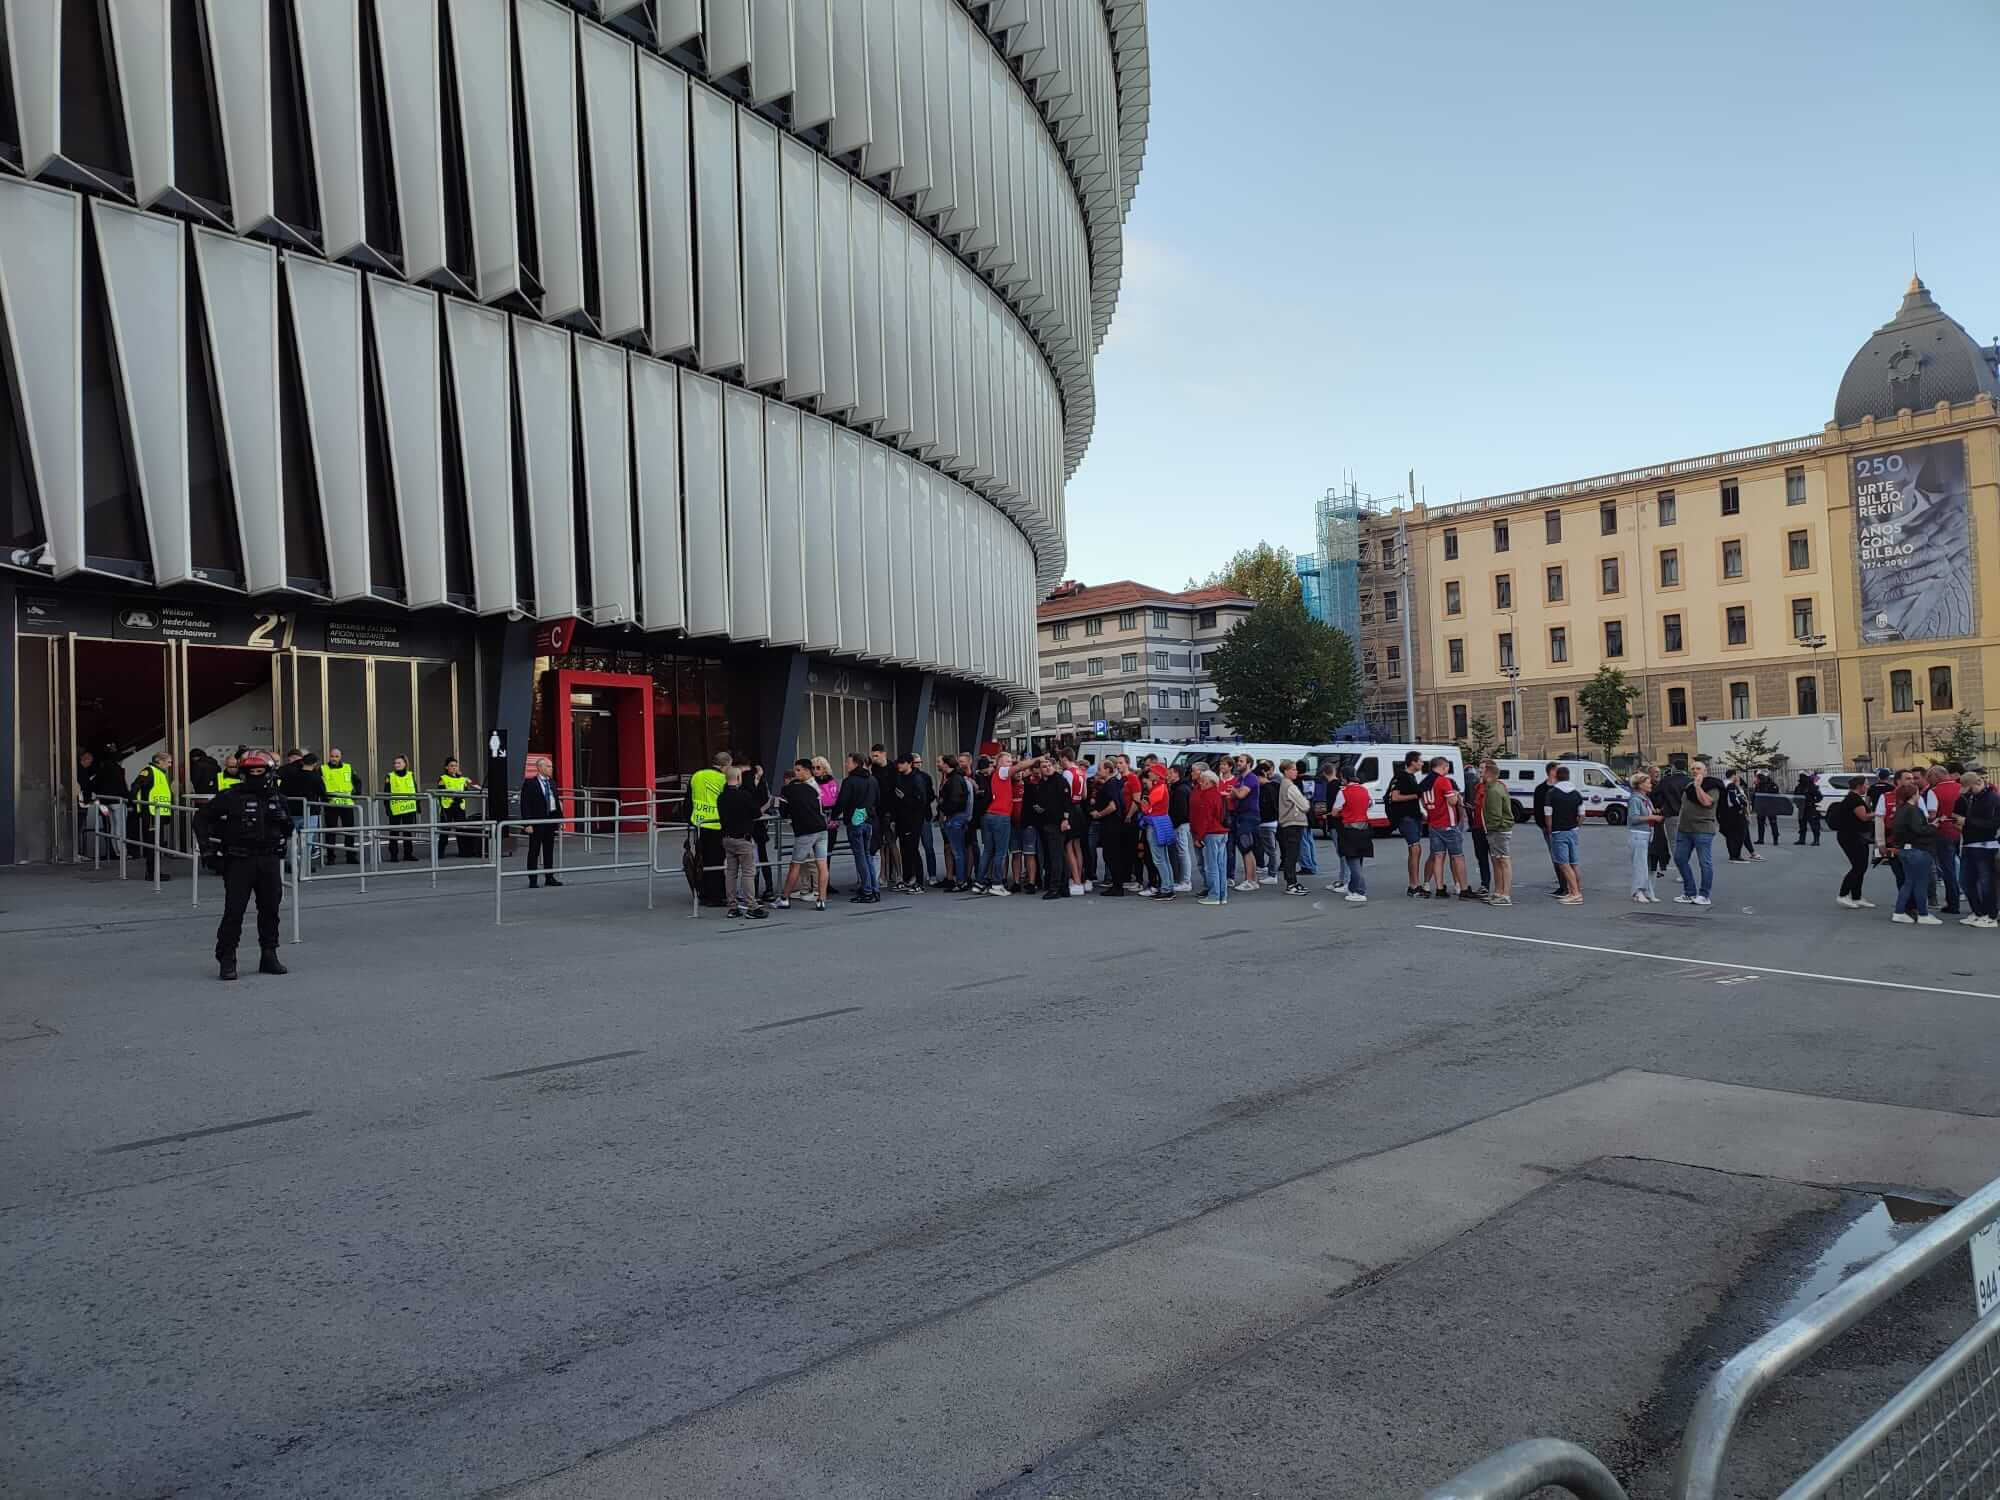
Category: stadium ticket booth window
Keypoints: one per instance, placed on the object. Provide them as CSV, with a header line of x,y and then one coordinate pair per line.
x,y
600,728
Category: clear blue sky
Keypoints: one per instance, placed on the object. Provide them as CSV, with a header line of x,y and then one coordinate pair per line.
x,y
1508,246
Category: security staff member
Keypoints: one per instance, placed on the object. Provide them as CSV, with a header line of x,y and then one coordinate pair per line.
x,y
401,785
338,777
704,788
231,773
249,826
453,810
151,819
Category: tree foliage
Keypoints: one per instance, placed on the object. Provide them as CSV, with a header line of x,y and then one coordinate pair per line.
x,y
1606,701
1751,750
1479,743
1263,572
1281,675
1962,740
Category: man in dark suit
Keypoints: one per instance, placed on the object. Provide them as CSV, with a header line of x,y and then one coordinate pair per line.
x,y
540,799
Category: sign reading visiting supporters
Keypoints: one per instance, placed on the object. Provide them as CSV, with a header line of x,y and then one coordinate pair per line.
x,y
369,637
1913,535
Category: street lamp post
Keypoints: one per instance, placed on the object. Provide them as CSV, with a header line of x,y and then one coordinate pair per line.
x,y
1923,744
1639,730
1513,676
1868,732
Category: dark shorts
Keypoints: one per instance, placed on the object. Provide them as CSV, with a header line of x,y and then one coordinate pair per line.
x,y
1410,830
1246,838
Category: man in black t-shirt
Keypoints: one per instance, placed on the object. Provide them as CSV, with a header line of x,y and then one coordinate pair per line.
x,y
1541,813
1564,806
1404,809
799,797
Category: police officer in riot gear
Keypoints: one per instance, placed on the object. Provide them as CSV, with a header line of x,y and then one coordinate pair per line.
x,y
249,826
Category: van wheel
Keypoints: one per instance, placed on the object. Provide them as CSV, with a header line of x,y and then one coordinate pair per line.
x,y
1615,815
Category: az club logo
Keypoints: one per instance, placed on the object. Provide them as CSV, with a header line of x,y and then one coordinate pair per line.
x,y
138,619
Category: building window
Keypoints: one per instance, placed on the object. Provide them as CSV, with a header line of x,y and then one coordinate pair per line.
x,y
1608,576
1732,559
1795,492
1159,619
1097,706
1389,605
1129,662
1451,544
1062,711
1558,644
1940,687
1093,626
1395,662
1808,695
1455,653
1902,695
1563,722
1458,725
1503,591
1062,671
1614,638
1555,585
1159,661
1206,620
1187,698
1368,663
1388,553
1798,549
1670,568
1801,619
1128,620
1506,648
1736,620
1739,700
1501,539
1552,526
1095,666
1131,705
1607,518
1506,718
1670,634
1677,707
1732,498
1034,718
1669,509
1454,599
1166,698
1060,631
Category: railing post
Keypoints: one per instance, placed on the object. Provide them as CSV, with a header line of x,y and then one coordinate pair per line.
x,y
298,887
499,874
431,802
159,860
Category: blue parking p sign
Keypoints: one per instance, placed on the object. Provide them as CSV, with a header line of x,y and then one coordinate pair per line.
x,y
1100,726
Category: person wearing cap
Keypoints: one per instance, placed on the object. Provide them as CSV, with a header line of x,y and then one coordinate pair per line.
x,y
249,825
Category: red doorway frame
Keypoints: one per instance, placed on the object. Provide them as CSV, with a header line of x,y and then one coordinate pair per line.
x,y
631,702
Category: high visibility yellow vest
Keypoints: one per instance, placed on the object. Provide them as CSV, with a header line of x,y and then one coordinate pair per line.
x,y
224,781
401,781
703,788
159,794
339,784
453,784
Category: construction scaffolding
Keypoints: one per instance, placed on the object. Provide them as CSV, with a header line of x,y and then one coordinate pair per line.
x,y
1330,575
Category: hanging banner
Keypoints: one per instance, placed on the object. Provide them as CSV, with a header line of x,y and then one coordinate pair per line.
x,y
1913,537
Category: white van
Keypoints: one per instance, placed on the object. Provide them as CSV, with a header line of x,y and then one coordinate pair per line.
x,y
1375,765
1094,751
1603,791
1185,756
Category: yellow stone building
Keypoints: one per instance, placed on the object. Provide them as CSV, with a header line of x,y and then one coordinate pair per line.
x,y
1853,571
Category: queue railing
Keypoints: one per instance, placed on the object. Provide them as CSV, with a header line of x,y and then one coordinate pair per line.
x,y
649,865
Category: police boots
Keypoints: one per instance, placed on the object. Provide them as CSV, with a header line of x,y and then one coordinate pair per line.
x,y
228,966
267,965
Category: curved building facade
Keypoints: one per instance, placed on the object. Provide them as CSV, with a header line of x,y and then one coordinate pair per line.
x,y
748,339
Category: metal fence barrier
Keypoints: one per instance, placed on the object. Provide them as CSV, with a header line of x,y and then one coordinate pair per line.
x,y
1938,1438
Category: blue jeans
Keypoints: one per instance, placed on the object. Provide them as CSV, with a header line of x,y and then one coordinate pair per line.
x,y
1947,865
1694,843
1215,866
1308,861
1267,850
928,843
1914,894
861,840
1163,860
996,837
1183,852
1977,874
1357,883
954,838
1641,840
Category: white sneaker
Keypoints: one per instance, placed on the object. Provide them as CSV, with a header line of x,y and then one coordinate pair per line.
x,y
1702,901
1860,902
1903,916
1354,899
1075,890
998,890
1986,922
1639,896
1267,880
1185,888
1246,885
1685,900
1971,920
1927,920
1847,901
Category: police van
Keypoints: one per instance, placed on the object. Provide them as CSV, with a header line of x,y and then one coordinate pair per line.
x,y
1602,791
1375,765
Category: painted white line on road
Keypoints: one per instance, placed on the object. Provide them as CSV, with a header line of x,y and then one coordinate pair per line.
x,y
1712,963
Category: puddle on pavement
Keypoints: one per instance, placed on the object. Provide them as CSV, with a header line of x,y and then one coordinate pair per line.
x,y
1886,1224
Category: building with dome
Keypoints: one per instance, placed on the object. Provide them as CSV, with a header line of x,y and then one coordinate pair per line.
x,y
1853,571
618,379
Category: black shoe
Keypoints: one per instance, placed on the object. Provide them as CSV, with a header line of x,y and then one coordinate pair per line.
x,y
1413,890
758,913
858,899
534,883
1052,895
1116,890
269,963
550,880
228,967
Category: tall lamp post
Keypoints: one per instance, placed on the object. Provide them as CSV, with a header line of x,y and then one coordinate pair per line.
x,y
1923,744
1513,676
1868,732
1639,730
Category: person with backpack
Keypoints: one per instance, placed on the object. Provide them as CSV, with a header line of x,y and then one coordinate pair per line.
x,y
1806,797
1852,820
858,810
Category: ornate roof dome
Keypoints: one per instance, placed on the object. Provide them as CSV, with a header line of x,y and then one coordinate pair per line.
x,y
1917,359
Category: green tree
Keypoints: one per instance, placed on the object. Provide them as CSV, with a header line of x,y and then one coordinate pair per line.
x,y
1263,572
1606,701
1751,750
1480,741
1964,739
1281,675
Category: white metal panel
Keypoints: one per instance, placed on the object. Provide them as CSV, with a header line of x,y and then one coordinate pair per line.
x,y
408,365
958,59
836,290
410,71
676,21
805,371
818,542
986,74
34,56
547,36
851,577
725,35
239,50
656,453
706,533
885,97
895,295
773,73
239,291
142,52
900,549
476,344
977,323
951,574
937,104
604,415
864,239
812,55
917,307
610,95
923,597
763,285
848,130
482,48
880,638
325,305
663,114
784,524
542,382
944,357
720,277
980,515
143,261
743,480
914,176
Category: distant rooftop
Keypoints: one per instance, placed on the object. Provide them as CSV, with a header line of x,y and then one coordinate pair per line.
x,y
1073,598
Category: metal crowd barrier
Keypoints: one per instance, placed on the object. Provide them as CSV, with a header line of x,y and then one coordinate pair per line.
x,y
1938,1436
616,817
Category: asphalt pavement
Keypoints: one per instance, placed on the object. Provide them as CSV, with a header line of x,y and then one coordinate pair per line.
x,y
946,1195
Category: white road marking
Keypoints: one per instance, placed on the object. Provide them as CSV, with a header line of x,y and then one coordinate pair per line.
x,y
1710,963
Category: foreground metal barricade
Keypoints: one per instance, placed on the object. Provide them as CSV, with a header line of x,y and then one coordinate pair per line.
x,y
1937,1439
647,843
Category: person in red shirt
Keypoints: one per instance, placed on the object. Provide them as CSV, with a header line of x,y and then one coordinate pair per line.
x,y
1353,838
1945,787
1441,804
1208,822
1073,849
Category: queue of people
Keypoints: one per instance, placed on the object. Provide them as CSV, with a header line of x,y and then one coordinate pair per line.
x,y
1936,829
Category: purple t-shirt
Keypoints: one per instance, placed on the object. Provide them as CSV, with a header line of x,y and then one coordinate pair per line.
x,y
1245,809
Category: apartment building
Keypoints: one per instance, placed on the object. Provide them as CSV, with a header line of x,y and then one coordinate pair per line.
x,y
1129,657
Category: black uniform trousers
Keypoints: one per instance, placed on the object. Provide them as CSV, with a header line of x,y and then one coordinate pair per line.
x,y
244,875
341,815
541,847
1055,868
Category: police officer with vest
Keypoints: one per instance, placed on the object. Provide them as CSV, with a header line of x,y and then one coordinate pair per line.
x,y
452,809
250,826
338,777
151,820
401,785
